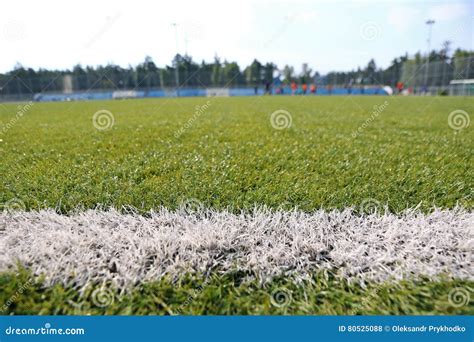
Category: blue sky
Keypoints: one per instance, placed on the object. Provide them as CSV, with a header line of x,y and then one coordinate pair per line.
x,y
328,35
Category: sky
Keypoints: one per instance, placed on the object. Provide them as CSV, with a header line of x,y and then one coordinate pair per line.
x,y
328,35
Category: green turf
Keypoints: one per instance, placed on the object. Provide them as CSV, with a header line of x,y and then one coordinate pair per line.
x,y
226,295
231,156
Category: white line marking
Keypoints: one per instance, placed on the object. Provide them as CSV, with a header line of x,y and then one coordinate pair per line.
x,y
126,249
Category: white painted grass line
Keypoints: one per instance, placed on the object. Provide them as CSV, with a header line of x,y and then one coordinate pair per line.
x,y
126,249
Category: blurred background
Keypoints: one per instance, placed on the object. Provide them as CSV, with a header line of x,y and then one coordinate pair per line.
x,y
122,49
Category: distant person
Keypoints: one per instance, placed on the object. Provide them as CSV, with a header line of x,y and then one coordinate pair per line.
x,y
399,87
255,89
312,88
294,87
304,87
267,88
282,90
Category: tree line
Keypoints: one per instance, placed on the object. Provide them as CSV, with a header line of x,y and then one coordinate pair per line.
x,y
185,72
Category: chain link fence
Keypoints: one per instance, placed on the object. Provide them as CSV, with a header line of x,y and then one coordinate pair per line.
x,y
439,77
416,75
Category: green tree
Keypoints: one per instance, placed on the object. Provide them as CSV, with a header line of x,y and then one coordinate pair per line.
x,y
288,74
253,73
216,72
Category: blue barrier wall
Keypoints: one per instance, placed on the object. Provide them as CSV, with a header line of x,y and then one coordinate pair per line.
x,y
193,92
245,92
73,97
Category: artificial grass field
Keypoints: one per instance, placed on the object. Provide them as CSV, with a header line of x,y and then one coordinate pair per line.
x,y
227,295
229,156
53,157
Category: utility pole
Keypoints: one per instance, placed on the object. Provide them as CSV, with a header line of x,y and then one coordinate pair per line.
x,y
185,44
176,71
430,23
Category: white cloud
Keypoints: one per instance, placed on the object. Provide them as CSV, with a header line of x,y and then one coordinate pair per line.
x,y
402,18
447,12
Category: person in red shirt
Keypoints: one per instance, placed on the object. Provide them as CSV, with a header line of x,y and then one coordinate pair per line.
x,y
305,88
293,88
399,87
312,88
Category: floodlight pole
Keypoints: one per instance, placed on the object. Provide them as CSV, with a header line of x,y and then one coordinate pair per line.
x,y
185,44
430,26
176,71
